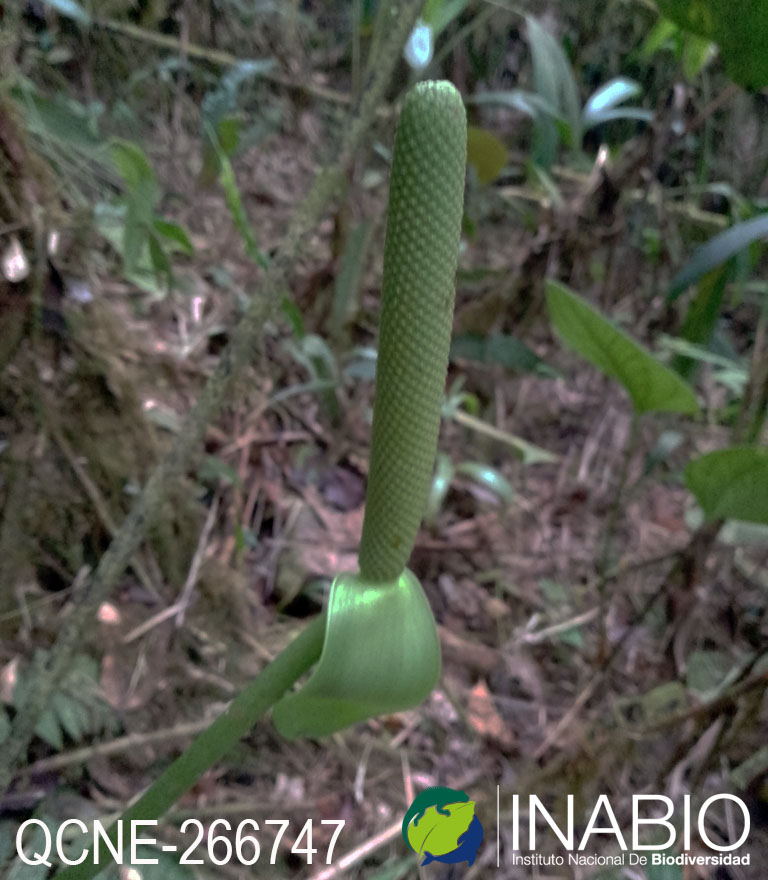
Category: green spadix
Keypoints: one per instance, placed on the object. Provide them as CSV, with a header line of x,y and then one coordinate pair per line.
x,y
380,650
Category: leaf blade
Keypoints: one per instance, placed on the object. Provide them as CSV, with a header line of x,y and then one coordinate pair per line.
x,y
651,385
731,483
716,251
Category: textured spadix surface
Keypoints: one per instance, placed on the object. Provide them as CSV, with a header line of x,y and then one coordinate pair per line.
x,y
420,256
381,652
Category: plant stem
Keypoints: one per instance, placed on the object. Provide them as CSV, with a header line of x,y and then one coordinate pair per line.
x,y
214,742
610,529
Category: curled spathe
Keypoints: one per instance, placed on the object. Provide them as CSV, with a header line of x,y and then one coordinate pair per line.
x,y
380,654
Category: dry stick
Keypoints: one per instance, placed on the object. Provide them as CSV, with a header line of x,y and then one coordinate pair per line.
x,y
113,747
234,359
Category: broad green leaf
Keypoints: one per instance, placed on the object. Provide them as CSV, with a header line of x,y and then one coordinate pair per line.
x,y
497,348
70,9
380,655
731,483
716,251
485,153
740,27
437,833
651,385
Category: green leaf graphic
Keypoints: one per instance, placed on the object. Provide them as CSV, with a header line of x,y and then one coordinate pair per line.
x,y
437,833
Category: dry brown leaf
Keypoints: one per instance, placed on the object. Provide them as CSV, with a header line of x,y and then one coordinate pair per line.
x,y
485,719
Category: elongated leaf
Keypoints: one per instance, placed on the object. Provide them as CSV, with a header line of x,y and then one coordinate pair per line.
x,y
731,483
740,27
651,385
554,81
721,248
235,203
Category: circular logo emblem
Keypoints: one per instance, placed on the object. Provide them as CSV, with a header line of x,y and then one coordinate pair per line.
x,y
441,825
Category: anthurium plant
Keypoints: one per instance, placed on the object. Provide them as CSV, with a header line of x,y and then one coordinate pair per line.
x,y
375,646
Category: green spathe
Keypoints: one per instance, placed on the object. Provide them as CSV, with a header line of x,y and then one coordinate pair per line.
x,y
380,654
